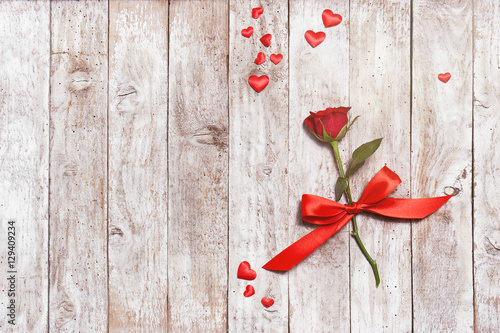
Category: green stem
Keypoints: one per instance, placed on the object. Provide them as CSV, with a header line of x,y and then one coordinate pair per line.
x,y
372,262
355,233
335,145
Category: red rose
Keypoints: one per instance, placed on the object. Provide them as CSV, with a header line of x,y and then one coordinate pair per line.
x,y
331,121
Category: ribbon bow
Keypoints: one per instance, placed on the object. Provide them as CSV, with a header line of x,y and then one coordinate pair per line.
x,y
332,216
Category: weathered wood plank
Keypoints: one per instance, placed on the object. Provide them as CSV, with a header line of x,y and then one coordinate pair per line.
x,y
442,163
258,187
198,167
319,78
138,73
24,162
486,162
380,94
78,167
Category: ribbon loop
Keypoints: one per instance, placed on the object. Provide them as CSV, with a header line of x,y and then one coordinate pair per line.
x,y
333,216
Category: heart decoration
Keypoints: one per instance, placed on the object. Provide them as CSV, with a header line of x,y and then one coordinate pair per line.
x,y
330,19
249,291
315,38
247,32
266,39
261,58
244,270
258,83
267,302
276,58
444,77
256,12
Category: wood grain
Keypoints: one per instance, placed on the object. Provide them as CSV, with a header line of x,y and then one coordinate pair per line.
x,y
442,163
380,95
205,173
78,167
486,162
258,161
319,78
198,167
24,161
138,73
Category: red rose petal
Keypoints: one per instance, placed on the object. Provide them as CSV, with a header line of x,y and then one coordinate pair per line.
x,y
332,119
334,122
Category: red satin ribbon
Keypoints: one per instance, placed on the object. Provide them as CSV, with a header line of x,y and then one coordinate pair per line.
x,y
332,216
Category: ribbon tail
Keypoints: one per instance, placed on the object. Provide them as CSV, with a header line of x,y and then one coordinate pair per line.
x,y
299,250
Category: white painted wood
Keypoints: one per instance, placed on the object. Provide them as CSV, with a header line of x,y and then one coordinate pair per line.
x,y
270,162
442,163
258,162
319,78
78,167
24,161
138,72
486,162
380,95
198,167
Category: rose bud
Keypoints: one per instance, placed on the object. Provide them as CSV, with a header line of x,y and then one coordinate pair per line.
x,y
328,125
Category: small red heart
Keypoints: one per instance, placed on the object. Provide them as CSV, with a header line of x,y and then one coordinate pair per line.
x,y
261,58
249,291
244,270
267,302
266,39
258,83
444,77
315,38
276,58
256,12
330,19
247,32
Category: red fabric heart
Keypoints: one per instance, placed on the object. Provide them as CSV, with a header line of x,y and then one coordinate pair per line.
x,y
266,39
256,12
267,302
330,19
244,270
258,83
249,291
315,38
261,58
444,77
247,32
276,58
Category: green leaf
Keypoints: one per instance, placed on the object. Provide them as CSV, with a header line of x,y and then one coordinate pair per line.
x,y
341,133
326,136
340,188
361,154
352,122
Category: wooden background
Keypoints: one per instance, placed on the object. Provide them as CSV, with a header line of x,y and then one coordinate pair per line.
x,y
141,168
